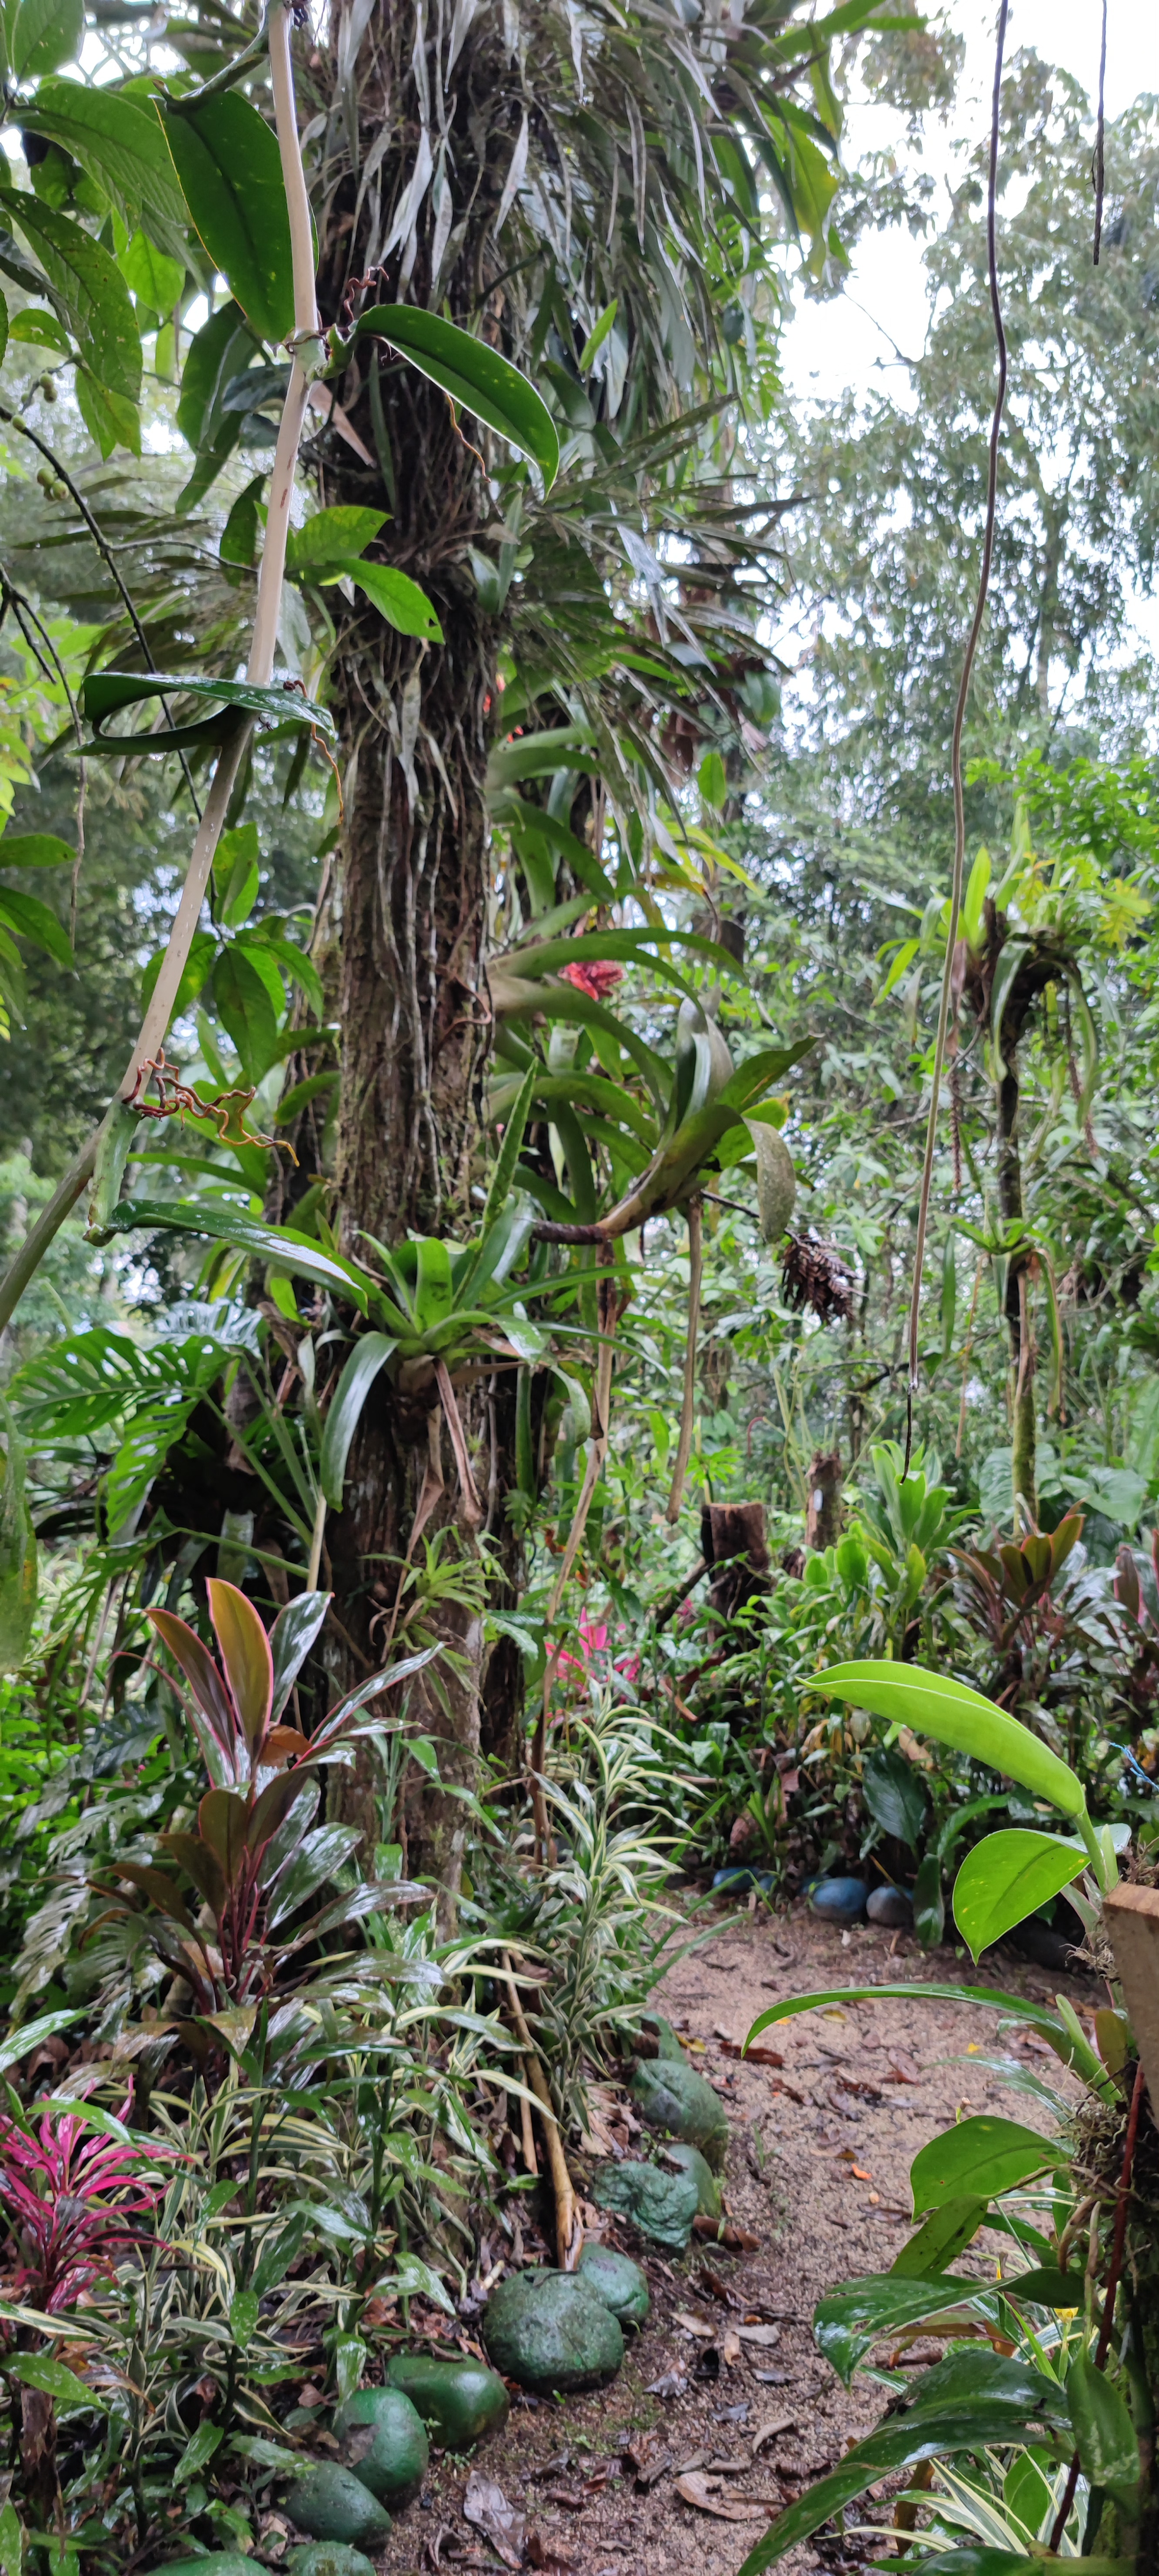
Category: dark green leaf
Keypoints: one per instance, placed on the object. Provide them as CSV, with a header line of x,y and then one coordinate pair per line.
x,y
246,1010
239,537
942,2238
1012,2007
472,374
91,289
230,170
894,1795
929,1903
104,693
1046,2287
895,2445
330,538
202,951
369,1355
849,2319
34,921
981,2157
398,599
1108,2446
18,1567
119,143
34,850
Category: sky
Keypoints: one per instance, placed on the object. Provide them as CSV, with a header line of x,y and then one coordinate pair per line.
x,y
886,292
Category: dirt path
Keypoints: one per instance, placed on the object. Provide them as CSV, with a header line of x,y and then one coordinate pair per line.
x,y
818,2172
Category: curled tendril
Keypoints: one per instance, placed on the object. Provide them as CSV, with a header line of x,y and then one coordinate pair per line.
x,y
175,1099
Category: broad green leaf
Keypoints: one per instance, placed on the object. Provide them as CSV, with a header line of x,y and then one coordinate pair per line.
x,y
122,147
42,34
150,274
545,957
711,779
33,920
1008,1876
11,2541
540,755
239,537
331,538
39,2370
35,850
398,599
230,170
244,2308
202,951
244,1006
434,1292
19,2044
472,374
1011,2007
369,1355
941,2238
111,419
41,329
849,2319
293,1634
18,1567
894,1795
1046,2287
104,693
91,288
1108,2446
237,874
223,345
279,1246
933,1704
198,2452
981,2157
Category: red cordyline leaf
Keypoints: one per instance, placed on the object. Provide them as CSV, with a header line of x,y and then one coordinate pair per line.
x,y
75,2196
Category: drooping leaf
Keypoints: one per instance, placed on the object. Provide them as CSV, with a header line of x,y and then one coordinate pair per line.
x,y
472,374
398,599
370,1354
1008,1876
230,170
1108,2445
849,2319
42,34
105,693
284,1250
981,2158
32,920
41,2370
120,144
89,284
1011,2007
934,1704
894,1794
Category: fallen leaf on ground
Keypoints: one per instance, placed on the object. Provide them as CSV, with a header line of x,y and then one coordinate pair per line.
x,y
901,2068
767,2335
694,2488
692,2325
738,2240
730,2347
487,2507
543,2551
752,2056
768,2432
673,2384
604,2112
790,2089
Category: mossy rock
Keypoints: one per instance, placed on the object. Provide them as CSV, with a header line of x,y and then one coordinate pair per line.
x,y
690,2161
332,2504
662,2205
220,2562
384,2440
324,2558
617,2281
676,2098
549,2331
461,2401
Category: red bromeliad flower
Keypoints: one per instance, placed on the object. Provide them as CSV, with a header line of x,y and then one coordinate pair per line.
x,y
75,2201
597,977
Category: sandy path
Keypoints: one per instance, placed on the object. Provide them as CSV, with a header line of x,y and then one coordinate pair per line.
x,y
822,2181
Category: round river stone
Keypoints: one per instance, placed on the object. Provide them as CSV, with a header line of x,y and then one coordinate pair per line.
x,y
690,2161
462,2401
332,2504
324,2558
616,2280
549,2331
384,2441
662,2205
678,2099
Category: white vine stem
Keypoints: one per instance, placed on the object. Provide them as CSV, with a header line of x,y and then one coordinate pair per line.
x,y
271,576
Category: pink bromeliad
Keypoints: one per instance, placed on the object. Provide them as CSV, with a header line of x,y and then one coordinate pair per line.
x,y
75,2200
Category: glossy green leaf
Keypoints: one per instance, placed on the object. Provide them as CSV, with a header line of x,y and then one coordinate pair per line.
x,y
894,1794
42,34
278,1245
230,170
198,2452
981,2157
294,1632
155,279
1108,2446
119,143
1010,2007
244,2310
32,920
398,599
472,374
1008,1876
849,2319
331,538
369,1355
942,2237
19,2044
899,2444
933,1704
89,284
244,1006
105,693
223,345
35,850
56,2380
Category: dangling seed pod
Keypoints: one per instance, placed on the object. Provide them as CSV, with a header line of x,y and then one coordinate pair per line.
x,y
813,1275
776,1180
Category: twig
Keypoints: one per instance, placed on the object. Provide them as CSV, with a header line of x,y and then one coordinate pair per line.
x,y
959,723
684,1444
